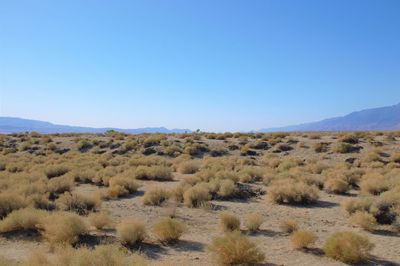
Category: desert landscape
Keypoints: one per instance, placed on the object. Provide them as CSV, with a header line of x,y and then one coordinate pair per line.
x,y
318,198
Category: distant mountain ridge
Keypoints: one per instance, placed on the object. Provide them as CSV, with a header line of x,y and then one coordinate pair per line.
x,y
16,125
382,118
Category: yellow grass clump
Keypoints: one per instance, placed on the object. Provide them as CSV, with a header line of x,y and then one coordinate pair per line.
x,y
131,231
228,221
235,249
168,230
348,247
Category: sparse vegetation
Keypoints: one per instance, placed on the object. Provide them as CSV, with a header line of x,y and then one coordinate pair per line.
x,y
53,194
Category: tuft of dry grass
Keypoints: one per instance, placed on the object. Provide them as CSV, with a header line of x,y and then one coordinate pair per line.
x,y
131,231
226,189
155,196
63,228
99,220
289,192
10,201
168,230
303,239
336,185
196,196
235,249
228,221
101,255
288,226
253,222
78,203
348,247
188,167
55,171
364,220
22,219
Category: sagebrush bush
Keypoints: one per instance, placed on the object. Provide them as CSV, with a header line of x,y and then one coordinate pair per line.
x,y
348,247
100,220
131,231
363,219
235,249
289,192
155,196
228,221
303,239
196,196
22,219
253,221
63,228
288,226
168,230
358,204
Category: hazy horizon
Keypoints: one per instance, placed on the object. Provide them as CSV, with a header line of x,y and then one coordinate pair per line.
x,y
216,66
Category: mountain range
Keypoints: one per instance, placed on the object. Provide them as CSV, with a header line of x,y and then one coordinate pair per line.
x,y
382,118
14,125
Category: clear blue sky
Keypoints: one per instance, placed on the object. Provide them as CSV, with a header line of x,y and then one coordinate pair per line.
x,y
214,65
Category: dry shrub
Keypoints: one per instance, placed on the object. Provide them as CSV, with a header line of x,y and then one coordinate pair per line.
x,y
120,187
347,247
228,221
343,147
60,184
336,185
188,167
288,226
55,171
251,174
363,219
131,231
101,255
10,201
100,220
373,184
22,219
155,196
290,192
78,203
235,249
168,230
358,204
196,196
226,189
63,228
303,239
253,221
156,172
